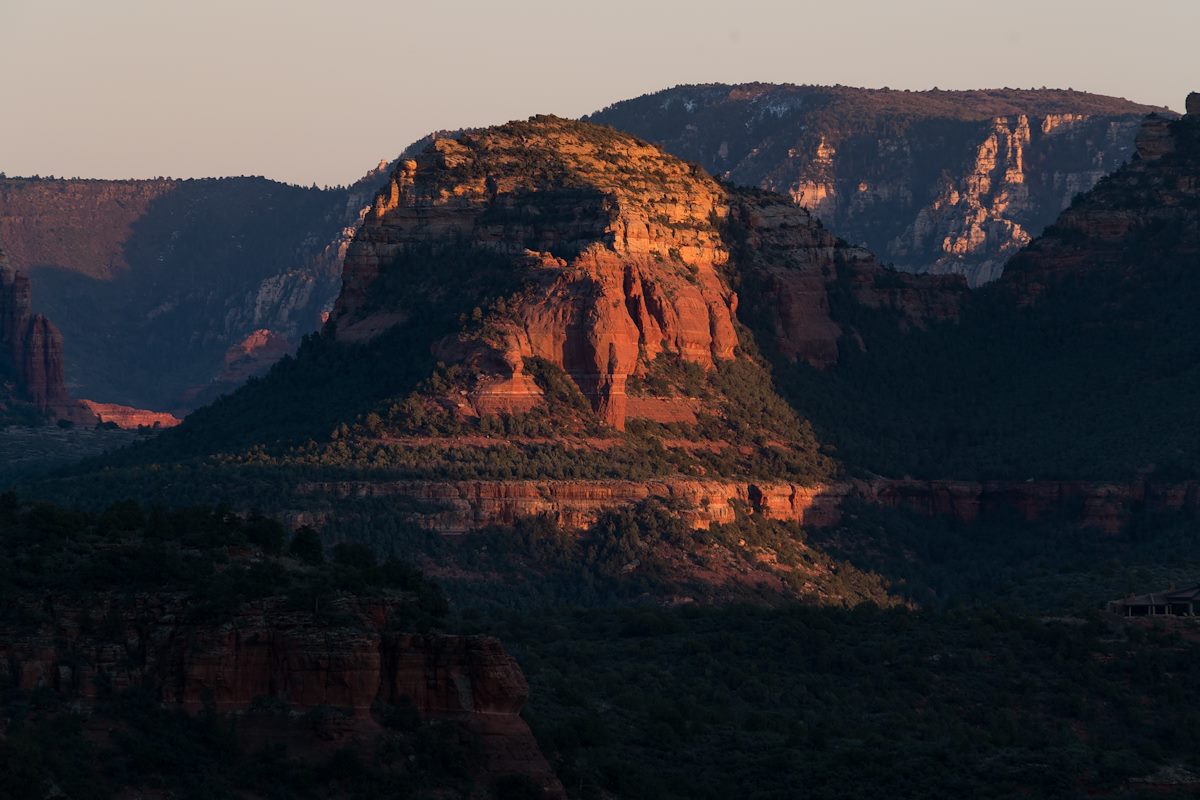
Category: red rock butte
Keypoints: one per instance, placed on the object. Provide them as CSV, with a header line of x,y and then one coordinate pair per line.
x,y
623,252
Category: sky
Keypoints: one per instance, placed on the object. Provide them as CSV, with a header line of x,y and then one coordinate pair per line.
x,y
309,91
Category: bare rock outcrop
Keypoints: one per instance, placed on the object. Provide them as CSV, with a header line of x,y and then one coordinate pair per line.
x,y
615,252
616,245
455,507
129,418
1141,220
932,181
31,353
268,652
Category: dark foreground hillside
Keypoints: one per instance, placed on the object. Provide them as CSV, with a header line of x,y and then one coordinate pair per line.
x,y
1079,363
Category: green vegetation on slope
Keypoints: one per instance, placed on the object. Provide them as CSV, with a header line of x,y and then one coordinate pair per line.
x,y
1094,381
827,703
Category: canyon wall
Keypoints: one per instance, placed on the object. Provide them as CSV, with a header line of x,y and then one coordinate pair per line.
x,y
937,181
454,507
1140,226
270,653
171,292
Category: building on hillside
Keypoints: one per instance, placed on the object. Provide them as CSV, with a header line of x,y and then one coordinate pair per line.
x,y
1172,602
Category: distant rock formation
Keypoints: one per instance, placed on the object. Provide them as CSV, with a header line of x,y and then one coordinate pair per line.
x,y
937,181
268,651
31,355
613,252
154,281
128,418
1138,221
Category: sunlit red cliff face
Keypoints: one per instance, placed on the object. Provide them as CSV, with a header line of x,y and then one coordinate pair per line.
x,y
937,181
613,253
31,355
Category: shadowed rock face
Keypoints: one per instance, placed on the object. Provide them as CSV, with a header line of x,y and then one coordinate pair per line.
x,y
153,282
268,651
1137,225
948,182
614,253
31,353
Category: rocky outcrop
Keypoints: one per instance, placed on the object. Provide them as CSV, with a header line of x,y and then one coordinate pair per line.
x,y
128,418
1135,227
950,182
469,505
251,356
31,353
615,244
170,275
608,254
269,653
803,281
455,507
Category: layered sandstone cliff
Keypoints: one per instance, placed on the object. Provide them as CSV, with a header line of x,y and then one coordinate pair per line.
x,y
268,654
608,253
128,418
455,507
931,181
613,247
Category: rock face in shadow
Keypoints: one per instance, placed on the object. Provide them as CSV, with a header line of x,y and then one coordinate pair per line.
x,y
267,653
1135,226
937,181
153,282
31,354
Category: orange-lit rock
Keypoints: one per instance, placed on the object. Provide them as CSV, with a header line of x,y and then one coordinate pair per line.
x,y
617,244
469,505
930,181
622,252
461,506
130,418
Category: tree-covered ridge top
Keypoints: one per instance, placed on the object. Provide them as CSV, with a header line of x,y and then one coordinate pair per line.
x,y
971,104
549,152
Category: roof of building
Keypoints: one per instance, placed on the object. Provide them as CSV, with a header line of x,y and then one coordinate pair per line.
x,y
1188,595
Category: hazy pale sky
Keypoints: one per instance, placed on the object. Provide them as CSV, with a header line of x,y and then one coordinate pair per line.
x,y
305,90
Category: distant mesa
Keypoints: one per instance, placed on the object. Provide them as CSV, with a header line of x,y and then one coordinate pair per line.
x,y
944,182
